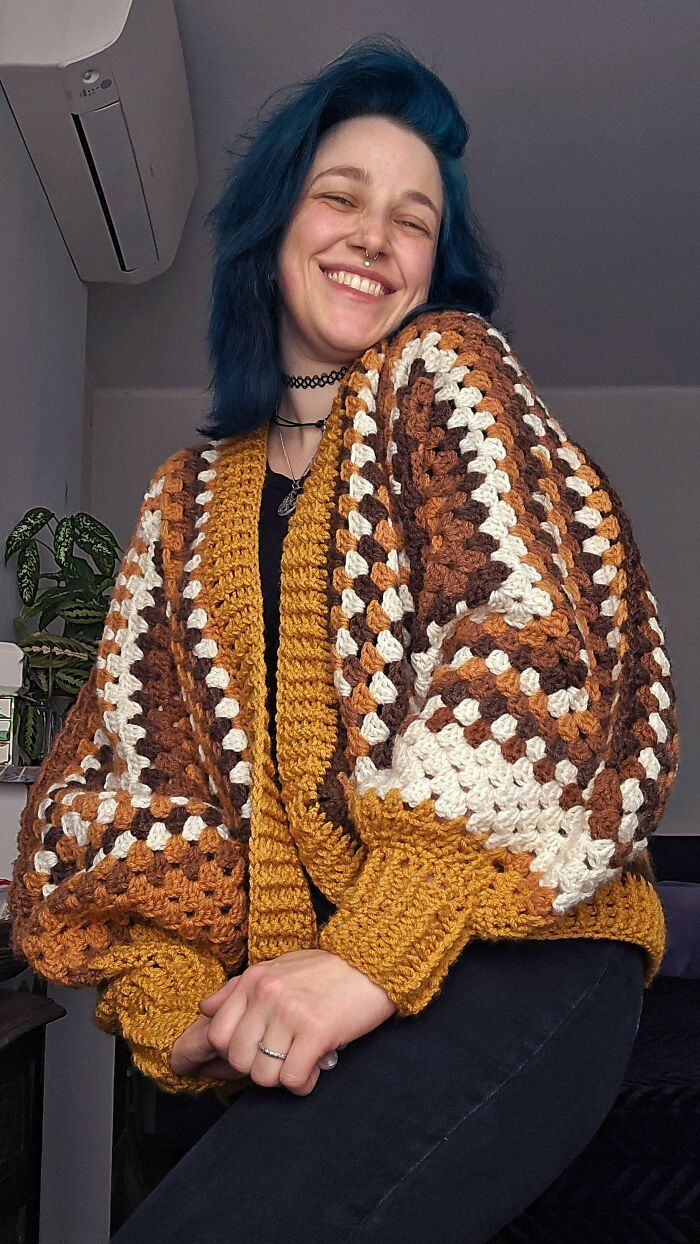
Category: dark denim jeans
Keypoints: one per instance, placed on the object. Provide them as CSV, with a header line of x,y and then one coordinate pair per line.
x,y
444,1125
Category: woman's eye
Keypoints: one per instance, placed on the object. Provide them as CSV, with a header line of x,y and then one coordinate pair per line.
x,y
347,203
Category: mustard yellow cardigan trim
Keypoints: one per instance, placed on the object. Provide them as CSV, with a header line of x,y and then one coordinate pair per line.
x,y
149,995
281,916
426,892
288,827
305,689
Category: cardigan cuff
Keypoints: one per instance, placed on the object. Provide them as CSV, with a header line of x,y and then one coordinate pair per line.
x,y
424,891
403,922
150,994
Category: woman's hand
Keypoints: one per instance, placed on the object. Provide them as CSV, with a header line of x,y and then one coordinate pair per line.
x,y
303,1004
192,1054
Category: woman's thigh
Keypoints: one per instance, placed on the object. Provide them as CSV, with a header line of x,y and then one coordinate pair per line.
x,y
446,1124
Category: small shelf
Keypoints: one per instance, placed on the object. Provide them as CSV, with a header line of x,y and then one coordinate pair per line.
x,y
18,773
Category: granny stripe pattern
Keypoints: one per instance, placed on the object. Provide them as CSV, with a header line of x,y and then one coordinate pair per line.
x,y
503,720
476,727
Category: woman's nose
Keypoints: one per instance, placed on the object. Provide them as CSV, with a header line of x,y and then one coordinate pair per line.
x,y
373,238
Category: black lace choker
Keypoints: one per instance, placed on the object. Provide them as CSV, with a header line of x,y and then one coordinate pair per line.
x,y
314,382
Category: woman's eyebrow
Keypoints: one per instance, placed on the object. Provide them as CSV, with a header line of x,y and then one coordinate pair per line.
x,y
361,174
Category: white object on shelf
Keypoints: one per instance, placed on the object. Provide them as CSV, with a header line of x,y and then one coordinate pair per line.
x,y
11,666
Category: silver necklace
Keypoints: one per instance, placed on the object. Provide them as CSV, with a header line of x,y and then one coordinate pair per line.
x,y
289,502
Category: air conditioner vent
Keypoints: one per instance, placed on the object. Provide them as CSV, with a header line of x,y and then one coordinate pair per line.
x,y
99,93
110,157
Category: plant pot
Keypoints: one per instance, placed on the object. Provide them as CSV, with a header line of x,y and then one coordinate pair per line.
x,y
47,717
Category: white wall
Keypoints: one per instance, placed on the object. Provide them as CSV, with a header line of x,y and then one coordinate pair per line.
x,y
646,440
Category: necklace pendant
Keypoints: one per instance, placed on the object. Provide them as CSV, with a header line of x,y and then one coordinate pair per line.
x,y
288,504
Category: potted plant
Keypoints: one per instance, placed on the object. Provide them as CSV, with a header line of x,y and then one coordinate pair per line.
x,y
57,663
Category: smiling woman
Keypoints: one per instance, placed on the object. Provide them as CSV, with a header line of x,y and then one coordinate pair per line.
x,y
368,764
328,310
364,156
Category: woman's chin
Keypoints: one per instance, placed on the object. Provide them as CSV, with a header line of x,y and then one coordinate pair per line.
x,y
350,338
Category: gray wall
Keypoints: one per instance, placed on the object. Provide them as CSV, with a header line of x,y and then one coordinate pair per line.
x,y
583,117
43,310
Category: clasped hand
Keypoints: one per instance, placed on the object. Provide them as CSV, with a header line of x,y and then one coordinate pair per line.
x,y
303,1004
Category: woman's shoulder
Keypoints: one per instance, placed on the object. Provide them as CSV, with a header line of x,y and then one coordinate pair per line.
x,y
184,468
449,328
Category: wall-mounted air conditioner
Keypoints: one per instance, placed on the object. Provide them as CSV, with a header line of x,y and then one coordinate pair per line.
x,y
99,92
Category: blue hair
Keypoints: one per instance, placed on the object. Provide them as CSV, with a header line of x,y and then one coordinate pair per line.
x,y
376,76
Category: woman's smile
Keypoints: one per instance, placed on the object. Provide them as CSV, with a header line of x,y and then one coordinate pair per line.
x,y
340,279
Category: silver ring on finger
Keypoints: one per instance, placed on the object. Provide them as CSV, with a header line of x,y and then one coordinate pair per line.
x,y
271,1053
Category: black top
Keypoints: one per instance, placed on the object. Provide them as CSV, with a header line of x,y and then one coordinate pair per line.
x,y
273,529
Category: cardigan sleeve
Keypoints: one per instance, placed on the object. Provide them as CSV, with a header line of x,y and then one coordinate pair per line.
x,y
129,874
515,793
148,991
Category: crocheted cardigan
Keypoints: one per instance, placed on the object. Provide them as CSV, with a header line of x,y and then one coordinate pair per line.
x,y
476,728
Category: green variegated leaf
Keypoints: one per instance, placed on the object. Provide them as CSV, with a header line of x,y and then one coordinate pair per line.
x,y
101,553
44,600
28,526
30,734
28,570
63,542
103,556
54,601
43,680
71,679
83,572
86,526
81,612
43,649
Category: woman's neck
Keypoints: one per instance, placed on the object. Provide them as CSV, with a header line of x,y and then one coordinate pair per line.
x,y
301,406
307,405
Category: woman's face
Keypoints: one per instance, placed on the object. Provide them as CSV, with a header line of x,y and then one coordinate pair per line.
x,y
391,205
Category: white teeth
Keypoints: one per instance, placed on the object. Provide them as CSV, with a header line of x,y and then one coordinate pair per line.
x,y
356,282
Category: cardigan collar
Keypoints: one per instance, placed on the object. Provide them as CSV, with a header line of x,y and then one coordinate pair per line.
x,y
302,817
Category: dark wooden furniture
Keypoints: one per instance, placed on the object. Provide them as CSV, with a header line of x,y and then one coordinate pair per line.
x,y
23,1019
